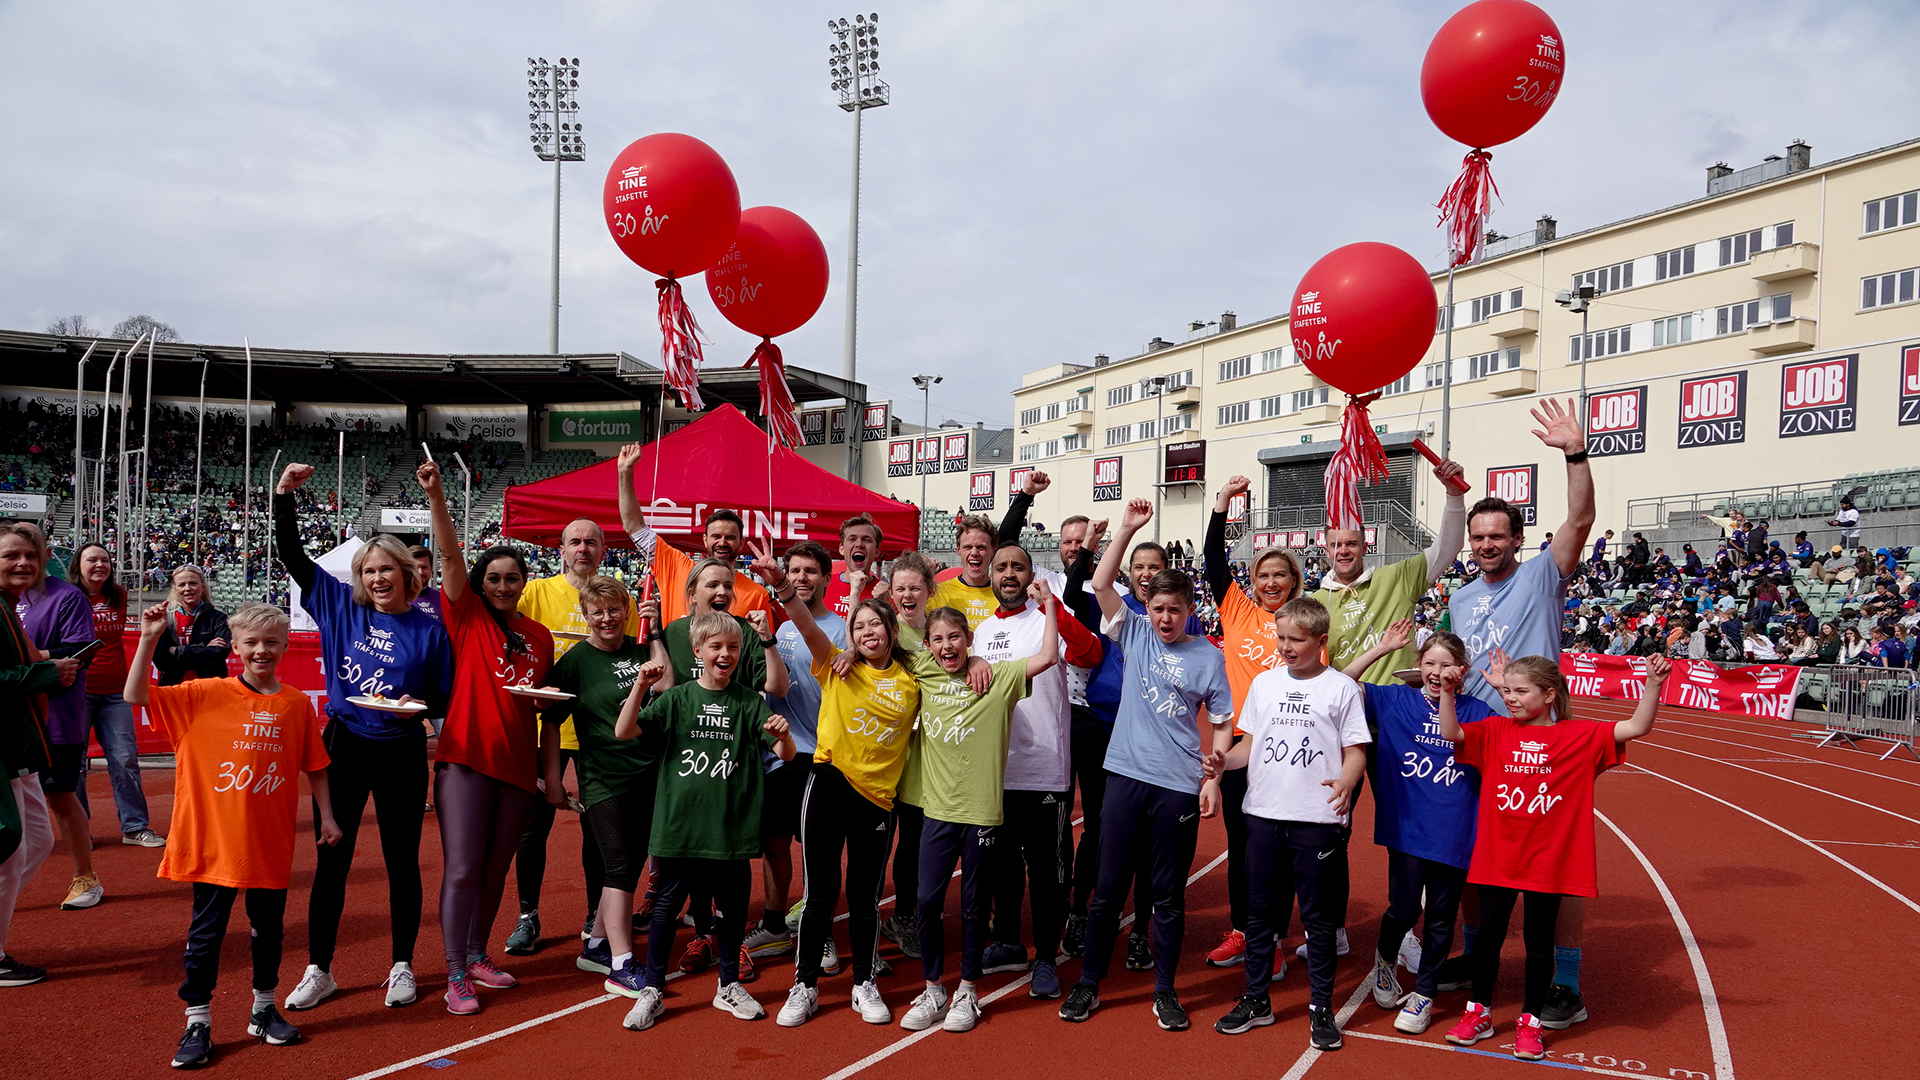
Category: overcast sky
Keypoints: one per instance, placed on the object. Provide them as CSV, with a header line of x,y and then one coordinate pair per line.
x,y
1052,181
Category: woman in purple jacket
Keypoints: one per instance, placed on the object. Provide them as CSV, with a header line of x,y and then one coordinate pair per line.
x,y
59,620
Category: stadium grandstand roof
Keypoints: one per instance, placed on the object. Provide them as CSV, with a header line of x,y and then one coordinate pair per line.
x,y
414,379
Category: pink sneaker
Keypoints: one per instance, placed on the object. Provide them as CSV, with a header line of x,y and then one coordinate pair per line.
x,y
1526,1039
461,1000
486,974
1477,1024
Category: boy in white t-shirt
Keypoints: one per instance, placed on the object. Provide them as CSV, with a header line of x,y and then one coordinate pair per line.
x,y
1306,729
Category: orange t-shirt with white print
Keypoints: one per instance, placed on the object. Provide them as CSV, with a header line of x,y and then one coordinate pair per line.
x,y
238,756
670,569
1249,640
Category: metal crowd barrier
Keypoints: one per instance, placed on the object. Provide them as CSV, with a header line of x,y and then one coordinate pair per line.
x,y
1872,703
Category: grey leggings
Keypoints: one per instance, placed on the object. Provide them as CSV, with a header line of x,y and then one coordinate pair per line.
x,y
481,820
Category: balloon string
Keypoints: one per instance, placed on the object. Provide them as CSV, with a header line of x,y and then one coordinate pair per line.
x,y
1360,457
679,345
776,399
1466,206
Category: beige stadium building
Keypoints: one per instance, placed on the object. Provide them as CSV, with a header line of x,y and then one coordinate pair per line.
x,y
1757,347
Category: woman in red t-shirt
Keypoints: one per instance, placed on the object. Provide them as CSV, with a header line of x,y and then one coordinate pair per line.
x,y
108,714
1537,768
484,777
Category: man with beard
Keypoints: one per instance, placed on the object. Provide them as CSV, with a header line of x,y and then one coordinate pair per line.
x,y
554,602
720,538
1514,607
1037,802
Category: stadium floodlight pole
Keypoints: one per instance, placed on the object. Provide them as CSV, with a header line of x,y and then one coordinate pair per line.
x,y
199,456
853,65
925,383
79,457
1580,299
1159,449
553,112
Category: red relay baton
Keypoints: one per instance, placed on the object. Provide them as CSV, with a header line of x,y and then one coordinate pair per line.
x,y
646,594
1456,484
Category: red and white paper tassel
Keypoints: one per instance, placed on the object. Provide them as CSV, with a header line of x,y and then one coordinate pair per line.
x,y
776,400
1360,457
679,345
1467,205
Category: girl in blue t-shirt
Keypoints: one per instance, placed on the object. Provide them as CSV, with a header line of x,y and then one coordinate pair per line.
x,y
1424,805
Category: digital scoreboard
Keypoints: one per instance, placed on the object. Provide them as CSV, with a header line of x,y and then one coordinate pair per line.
x,y
1186,462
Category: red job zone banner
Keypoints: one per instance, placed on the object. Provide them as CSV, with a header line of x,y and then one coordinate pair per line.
x,y
1762,690
300,668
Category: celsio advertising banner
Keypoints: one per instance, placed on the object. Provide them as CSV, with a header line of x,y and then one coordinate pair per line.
x,y
1516,484
347,416
1617,422
52,401
260,413
1713,410
479,423
595,425
1818,397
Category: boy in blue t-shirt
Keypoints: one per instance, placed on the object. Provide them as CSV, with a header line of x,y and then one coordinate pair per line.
x,y
1175,685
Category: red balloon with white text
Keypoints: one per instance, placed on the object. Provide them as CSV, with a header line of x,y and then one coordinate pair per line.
x,y
1492,71
671,204
773,278
1363,316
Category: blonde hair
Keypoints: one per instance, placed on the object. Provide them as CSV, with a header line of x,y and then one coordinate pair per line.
x,y
711,624
1285,555
602,587
1306,613
173,591
693,575
28,531
402,557
1545,673
259,617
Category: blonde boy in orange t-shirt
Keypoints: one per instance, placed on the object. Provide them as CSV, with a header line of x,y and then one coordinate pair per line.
x,y
237,744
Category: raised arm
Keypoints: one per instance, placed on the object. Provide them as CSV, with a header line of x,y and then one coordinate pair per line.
x,y
1641,722
1138,513
1453,524
1214,548
1563,432
768,569
1017,506
631,519
1397,637
1049,653
777,682
1450,729
1079,601
628,725
286,526
153,622
453,586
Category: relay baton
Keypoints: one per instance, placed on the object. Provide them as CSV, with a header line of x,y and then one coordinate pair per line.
x,y
1456,484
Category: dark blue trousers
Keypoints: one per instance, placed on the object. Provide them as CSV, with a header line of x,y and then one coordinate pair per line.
x,y
943,843
212,905
1288,859
1408,877
1169,821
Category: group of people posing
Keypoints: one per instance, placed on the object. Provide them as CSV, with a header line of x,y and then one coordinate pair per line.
x,y
934,720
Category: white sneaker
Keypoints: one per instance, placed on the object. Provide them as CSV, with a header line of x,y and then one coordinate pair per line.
x,y
1415,1014
734,998
1386,986
400,985
829,959
868,1003
646,1009
1410,953
927,1010
315,987
1339,944
802,1000
964,1012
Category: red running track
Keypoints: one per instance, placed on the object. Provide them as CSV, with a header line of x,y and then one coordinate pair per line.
x,y
1757,893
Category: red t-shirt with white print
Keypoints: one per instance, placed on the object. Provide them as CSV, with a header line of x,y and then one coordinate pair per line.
x,y
1536,801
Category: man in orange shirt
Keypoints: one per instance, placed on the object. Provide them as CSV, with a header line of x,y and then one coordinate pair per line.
x,y
720,539
238,743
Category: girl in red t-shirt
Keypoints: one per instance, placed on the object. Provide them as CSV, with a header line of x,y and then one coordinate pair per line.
x,y
1537,768
485,776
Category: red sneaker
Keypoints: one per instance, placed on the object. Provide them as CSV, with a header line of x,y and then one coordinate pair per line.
x,y
1526,1039
1477,1024
1231,950
486,974
747,974
699,954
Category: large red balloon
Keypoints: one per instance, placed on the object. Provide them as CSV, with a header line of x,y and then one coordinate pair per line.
x,y
1492,71
671,204
771,281
1363,316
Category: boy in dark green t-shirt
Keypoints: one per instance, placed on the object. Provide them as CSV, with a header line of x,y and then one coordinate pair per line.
x,y
706,814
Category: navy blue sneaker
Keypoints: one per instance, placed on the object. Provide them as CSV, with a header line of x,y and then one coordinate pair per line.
x,y
624,981
1046,981
1001,956
196,1047
595,958
268,1024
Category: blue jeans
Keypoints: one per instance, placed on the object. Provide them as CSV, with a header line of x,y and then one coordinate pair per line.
x,y
111,720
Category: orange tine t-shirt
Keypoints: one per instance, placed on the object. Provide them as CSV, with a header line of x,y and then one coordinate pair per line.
x,y
1247,637
670,567
488,729
238,755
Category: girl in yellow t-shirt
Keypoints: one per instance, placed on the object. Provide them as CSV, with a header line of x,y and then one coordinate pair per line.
x,y
865,718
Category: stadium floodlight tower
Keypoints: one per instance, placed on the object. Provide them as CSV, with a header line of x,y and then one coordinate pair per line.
x,y
553,112
853,65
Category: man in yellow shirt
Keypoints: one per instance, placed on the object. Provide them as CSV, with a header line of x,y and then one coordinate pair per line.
x,y
554,602
970,592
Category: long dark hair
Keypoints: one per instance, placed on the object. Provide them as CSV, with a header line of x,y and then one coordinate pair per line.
x,y
477,581
892,622
109,588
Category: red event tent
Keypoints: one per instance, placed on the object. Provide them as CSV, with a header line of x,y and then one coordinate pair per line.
x,y
719,460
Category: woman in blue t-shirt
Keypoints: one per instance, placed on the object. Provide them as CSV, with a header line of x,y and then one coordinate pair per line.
x,y
1424,806
373,644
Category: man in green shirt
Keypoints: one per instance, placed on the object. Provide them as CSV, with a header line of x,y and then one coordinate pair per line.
x,y
714,732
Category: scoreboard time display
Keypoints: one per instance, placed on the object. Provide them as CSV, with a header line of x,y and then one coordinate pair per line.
x,y
1186,462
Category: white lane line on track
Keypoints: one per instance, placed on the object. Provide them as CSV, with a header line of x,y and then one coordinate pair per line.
x,y
1497,1056
1874,881
893,1048
1782,779
1312,1054
1709,1000
1667,727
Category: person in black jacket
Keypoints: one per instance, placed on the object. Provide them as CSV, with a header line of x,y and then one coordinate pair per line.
x,y
196,640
